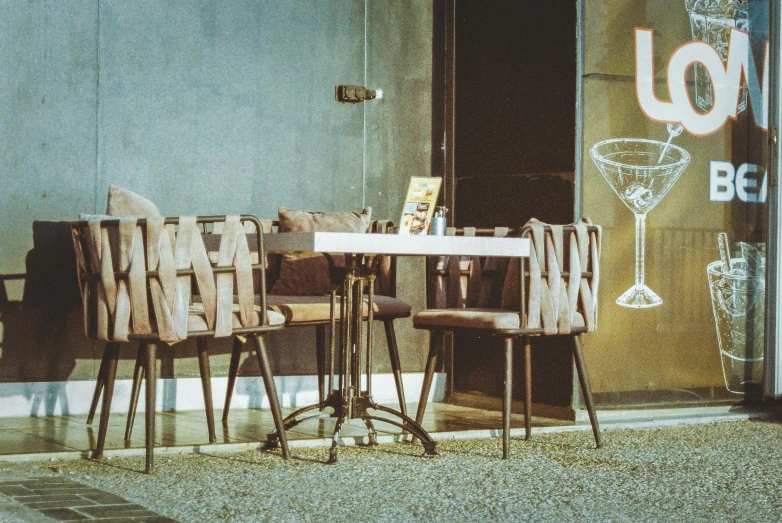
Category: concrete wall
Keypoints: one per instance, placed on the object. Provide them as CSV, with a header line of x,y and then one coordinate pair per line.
x,y
204,107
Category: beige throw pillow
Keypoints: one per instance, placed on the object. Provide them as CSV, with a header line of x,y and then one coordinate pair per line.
x,y
123,202
308,274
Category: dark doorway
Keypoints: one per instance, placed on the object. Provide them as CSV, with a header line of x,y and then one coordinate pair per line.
x,y
505,109
515,111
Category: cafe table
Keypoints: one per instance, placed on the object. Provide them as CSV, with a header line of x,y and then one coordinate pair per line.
x,y
352,396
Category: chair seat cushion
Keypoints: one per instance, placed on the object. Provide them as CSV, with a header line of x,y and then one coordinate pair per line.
x,y
316,309
497,319
467,319
196,319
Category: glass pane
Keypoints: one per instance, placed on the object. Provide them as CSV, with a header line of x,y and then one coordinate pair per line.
x,y
674,143
397,127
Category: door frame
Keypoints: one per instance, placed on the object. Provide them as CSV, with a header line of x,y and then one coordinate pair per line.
x,y
444,100
773,385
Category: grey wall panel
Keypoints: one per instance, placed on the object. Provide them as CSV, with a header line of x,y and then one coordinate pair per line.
x,y
47,118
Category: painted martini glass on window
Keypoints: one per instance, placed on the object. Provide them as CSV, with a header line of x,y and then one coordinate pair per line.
x,y
640,172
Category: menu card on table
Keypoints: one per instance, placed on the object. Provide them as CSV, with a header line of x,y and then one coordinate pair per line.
x,y
419,205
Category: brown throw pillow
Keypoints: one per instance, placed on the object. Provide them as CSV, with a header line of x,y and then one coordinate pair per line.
x,y
307,221
308,274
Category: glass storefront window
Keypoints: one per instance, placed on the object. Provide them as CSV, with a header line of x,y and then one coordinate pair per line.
x,y
674,144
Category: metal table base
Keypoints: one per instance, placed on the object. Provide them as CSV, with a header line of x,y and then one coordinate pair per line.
x,y
351,400
342,411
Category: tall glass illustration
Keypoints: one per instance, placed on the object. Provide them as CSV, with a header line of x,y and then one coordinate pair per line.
x,y
711,22
640,172
737,288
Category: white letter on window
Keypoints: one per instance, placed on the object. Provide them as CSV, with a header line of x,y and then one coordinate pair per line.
x,y
743,183
721,186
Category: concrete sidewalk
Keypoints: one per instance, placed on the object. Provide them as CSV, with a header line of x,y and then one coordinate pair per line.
x,y
720,471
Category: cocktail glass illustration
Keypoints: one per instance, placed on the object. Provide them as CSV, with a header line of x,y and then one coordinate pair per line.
x,y
640,172
737,298
711,22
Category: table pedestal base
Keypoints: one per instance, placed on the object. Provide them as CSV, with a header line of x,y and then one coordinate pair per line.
x,y
357,407
351,399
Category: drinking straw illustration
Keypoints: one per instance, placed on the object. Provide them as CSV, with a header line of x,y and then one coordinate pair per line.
x,y
673,131
722,241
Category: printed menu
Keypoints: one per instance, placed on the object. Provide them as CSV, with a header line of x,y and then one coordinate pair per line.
x,y
419,205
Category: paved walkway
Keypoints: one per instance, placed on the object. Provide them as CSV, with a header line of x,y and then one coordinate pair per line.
x,y
724,471
63,499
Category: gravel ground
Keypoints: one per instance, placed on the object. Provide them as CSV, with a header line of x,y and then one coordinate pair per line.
x,y
727,471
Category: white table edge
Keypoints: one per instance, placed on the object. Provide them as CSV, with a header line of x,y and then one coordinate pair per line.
x,y
394,244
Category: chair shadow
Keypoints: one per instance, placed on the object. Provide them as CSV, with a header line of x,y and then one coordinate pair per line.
x,y
42,334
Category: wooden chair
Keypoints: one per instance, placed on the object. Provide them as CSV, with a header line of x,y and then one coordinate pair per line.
x,y
137,279
315,310
553,292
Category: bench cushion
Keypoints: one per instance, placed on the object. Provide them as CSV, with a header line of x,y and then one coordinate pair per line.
x,y
316,309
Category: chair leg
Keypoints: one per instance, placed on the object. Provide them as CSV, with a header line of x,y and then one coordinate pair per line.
x,y
150,371
233,371
506,397
435,347
320,356
271,392
527,387
111,373
138,375
447,356
396,366
99,383
206,386
586,389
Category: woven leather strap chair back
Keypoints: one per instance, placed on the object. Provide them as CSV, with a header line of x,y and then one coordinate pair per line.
x,y
138,278
154,280
560,279
551,292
